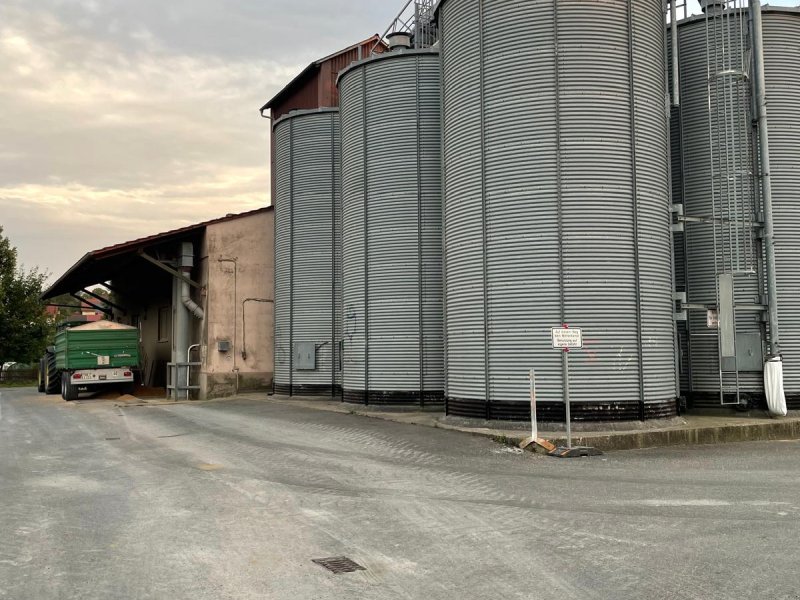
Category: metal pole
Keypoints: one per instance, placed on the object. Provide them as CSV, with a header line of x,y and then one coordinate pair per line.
x,y
766,180
534,422
673,18
565,362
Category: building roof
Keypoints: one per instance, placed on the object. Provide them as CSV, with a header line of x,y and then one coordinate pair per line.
x,y
103,264
312,70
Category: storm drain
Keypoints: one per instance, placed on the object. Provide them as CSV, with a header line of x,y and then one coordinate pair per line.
x,y
338,564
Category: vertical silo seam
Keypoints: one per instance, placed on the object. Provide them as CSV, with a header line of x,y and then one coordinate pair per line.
x,y
635,190
714,186
420,320
684,237
334,349
669,100
366,236
445,343
484,200
559,191
559,173
291,257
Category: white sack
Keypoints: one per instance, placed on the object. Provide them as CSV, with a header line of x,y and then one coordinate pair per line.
x,y
773,384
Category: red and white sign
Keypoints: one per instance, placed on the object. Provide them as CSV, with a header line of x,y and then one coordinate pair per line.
x,y
566,337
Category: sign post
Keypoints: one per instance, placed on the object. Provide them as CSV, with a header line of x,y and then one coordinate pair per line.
x,y
566,338
565,364
534,422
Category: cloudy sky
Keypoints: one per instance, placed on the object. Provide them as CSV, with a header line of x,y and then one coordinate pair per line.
x,y
123,118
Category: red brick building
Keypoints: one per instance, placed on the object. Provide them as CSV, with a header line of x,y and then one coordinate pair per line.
x,y
315,86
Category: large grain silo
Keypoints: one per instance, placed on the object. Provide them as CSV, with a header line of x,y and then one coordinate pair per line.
x,y
556,207
307,252
719,188
392,215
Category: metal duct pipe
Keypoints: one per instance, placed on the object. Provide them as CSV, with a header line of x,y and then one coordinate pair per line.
x,y
183,306
399,40
190,304
766,178
187,262
712,7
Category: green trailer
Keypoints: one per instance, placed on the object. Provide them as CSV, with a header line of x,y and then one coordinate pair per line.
x,y
89,357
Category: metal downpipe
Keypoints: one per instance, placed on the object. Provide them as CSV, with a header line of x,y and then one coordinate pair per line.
x,y
766,178
187,262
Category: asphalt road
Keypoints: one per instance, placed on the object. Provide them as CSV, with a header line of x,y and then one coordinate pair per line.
x,y
233,500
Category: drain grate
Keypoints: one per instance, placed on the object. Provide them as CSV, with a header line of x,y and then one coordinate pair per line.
x,y
338,564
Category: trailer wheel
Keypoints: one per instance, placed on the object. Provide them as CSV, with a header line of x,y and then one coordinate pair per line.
x,y
51,380
40,377
68,390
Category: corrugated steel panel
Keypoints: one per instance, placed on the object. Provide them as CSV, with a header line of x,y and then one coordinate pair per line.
x,y
307,244
782,72
392,228
556,204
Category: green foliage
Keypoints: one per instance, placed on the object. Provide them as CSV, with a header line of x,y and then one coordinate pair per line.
x,y
24,326
63,312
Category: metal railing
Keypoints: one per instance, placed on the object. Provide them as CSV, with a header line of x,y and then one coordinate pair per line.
x,y
416,18
178,378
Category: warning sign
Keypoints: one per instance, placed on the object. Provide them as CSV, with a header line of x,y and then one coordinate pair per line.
x,y
566,337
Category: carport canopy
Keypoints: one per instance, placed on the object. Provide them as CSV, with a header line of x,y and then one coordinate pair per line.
x,y
125,267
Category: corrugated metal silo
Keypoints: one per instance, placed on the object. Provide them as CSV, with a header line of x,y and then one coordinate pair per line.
x,y
392,213
704,155
782,72
307,252
557,207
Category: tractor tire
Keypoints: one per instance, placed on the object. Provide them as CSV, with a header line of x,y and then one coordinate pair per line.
x,y
69,391
40,377
52,379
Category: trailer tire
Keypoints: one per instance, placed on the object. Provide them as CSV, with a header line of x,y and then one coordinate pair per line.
x,y
40,377
52,380
68,390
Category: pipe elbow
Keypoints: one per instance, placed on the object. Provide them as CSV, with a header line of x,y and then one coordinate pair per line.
x,y
191,305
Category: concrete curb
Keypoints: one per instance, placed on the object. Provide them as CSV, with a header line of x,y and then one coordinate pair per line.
x,y
763,430
693,436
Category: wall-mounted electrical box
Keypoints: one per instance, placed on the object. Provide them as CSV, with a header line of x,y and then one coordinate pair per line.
x,y
305,356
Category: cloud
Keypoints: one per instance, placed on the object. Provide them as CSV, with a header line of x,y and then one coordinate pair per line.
x,y
120,119
58,224
100,144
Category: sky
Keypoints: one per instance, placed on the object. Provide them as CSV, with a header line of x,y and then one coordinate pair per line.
x,y
124,118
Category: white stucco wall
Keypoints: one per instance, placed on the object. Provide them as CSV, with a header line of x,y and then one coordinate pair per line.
x,y
236,265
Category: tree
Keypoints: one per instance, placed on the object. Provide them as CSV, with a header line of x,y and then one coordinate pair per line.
x,y
64,301
24,325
